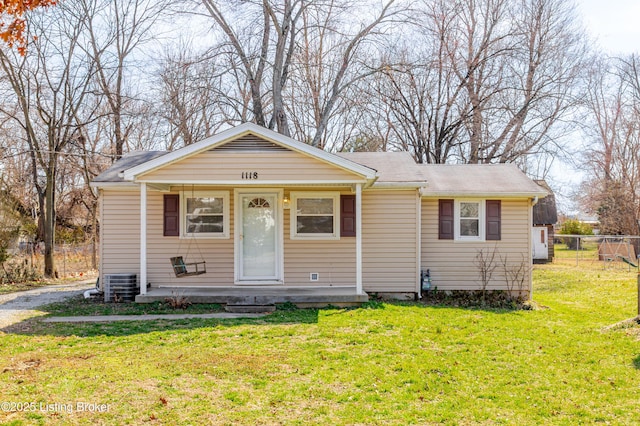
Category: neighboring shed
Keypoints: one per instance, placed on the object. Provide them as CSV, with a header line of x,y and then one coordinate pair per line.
x,y
545,216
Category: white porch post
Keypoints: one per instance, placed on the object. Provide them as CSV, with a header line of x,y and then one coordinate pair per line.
x,y
359,238
143,238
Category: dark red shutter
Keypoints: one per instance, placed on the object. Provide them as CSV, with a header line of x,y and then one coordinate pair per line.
x,y
347,215
445,219
171,215
494,219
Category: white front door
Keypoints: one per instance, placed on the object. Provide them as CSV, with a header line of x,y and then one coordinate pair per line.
x,y
258,238
539,237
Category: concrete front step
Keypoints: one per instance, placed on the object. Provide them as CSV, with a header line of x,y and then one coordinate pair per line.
x,y
250,309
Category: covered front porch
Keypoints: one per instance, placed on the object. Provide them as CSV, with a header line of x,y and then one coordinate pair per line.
x,y
260,295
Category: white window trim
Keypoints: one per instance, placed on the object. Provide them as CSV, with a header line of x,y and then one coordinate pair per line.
x,y
481,219
203,194
335,196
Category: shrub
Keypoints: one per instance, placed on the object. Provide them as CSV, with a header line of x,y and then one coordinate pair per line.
x,y
574,227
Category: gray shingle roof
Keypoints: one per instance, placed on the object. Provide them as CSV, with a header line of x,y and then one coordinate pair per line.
x,y
479,180
132,159
391,166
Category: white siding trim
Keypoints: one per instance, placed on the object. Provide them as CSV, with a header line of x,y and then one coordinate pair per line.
x,y
101,242
143,238
245,183
359,238
530,203
419,244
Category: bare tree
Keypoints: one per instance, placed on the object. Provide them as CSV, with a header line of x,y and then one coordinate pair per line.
x,y
612,153
485,81
192,89
115,30
266,42
49,85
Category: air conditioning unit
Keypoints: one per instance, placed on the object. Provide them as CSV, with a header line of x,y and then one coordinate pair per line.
x,y
120,287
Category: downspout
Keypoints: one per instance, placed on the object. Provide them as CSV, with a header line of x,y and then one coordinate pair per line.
x,y
419,242
534,201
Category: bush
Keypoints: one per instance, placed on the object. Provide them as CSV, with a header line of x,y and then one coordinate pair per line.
x,y
574,227
18,271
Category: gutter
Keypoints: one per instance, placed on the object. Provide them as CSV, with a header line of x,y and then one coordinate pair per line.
x,y
470,194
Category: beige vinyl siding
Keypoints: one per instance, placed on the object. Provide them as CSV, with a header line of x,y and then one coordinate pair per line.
x,y
120,232
389,238
334,260
451,262
229,166
390,241
218,253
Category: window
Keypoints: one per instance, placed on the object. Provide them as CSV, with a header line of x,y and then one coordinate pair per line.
x,y
314,215
468,224
469,220
205,214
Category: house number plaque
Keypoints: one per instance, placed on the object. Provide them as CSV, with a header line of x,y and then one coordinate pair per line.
x,y
250,175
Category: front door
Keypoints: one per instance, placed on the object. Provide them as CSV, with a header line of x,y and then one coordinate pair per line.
x,y
540,242
258,238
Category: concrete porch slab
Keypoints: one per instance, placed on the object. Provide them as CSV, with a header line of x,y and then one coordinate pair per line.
x,y
259,295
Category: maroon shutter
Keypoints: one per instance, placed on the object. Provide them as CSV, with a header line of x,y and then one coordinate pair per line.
x,y
494,218
171,215
445,221
347,215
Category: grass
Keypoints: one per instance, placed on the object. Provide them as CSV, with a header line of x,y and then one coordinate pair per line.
x,y
79,306
573,361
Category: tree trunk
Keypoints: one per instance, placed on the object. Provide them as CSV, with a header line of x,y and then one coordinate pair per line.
x,y
49,227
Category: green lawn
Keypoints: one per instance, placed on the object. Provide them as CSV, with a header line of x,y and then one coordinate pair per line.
x,y
386,364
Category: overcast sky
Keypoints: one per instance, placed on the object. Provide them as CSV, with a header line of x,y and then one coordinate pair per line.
x,y
615,23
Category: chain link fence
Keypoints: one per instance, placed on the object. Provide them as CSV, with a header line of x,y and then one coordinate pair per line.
x,y
610,251
71,260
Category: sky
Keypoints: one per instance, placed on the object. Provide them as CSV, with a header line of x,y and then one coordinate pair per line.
x,y
613,22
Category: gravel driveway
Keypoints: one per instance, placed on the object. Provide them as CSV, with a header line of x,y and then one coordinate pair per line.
x,y
16,307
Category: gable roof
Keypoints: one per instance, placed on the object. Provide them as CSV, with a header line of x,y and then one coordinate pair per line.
x,y
479,180
221,138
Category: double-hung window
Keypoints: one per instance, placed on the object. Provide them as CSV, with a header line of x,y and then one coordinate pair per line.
x,y
205,214
469,220
314,215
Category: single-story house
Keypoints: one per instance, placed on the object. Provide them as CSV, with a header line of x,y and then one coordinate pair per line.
x,y
545,217
278,220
